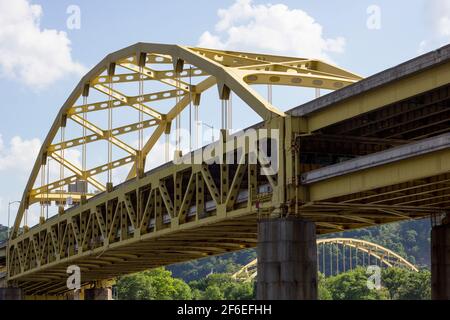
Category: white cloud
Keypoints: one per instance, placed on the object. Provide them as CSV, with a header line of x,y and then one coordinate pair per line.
x,y
33,55
19,154
437,17
440,17
270,28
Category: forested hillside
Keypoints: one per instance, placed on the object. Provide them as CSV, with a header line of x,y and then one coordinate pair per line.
x,y
410,239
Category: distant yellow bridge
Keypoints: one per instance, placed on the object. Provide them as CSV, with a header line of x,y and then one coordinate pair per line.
x,y
373,151
358,253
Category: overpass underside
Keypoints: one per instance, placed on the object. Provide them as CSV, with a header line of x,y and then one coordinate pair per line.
x,y
388,164
372,153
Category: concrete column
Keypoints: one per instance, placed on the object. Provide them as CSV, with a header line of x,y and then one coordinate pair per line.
x,y
11,294
287,259
98,294
440,262
74,295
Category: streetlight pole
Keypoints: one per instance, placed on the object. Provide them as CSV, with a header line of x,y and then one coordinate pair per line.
x,y
212,130
9,214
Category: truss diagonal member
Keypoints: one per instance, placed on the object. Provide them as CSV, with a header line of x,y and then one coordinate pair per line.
x,y
67,164
202,86
45,189
88,173
95,137
153,75
134,102
104,134
149,97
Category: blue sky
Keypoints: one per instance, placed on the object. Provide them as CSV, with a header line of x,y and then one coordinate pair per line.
x,y
335,30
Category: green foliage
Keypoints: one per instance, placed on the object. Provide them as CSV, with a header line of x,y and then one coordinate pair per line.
x,y
198,269
407,285
222,287
323,292
158,284
352,285
410,239
210,278
397,284
155,284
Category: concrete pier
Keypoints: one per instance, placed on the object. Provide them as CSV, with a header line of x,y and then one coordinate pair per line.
x,y
98,294
287,259
11,294
440,262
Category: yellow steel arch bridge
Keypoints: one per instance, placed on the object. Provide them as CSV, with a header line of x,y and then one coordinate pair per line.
x,y
343,253
374,151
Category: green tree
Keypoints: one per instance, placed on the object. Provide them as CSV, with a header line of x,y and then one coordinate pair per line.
x,y
352,285
222,286
226,263
155,284
404,284
213,292
323,292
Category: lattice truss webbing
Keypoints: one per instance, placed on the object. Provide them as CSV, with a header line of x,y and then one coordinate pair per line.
x,y
335,255
125,104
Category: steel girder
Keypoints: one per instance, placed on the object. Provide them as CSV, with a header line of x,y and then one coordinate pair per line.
x,y
164,64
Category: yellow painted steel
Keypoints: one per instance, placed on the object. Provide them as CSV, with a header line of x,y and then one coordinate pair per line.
x,y
409,169
380,97
234,70
180,212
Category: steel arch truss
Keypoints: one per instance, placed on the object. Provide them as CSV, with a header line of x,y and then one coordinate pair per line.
x,y
385,256
142,65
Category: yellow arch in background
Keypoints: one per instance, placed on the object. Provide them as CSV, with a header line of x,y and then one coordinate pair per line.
x,y
249,272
